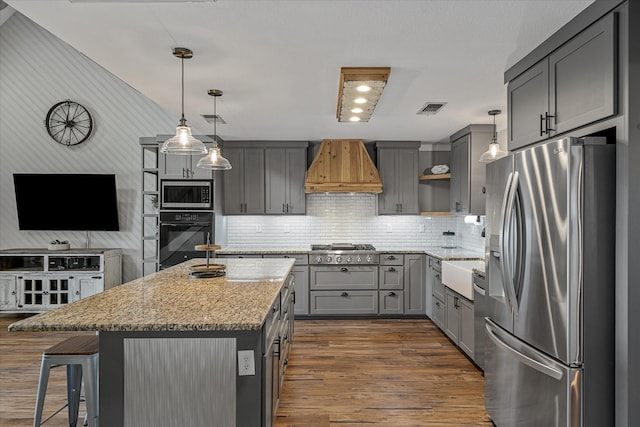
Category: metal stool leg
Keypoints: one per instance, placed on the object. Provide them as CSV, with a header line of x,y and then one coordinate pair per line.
x,y
90,367
74,382
42,390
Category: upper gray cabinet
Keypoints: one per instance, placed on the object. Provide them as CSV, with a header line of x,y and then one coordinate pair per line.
x,y
244,182
467,173
284,180
177,166
572,87
398,168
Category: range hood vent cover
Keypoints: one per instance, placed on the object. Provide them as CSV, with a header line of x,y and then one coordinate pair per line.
x,y
431,108
342,166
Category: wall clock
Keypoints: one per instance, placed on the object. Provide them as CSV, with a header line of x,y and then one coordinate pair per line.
x,y
69,123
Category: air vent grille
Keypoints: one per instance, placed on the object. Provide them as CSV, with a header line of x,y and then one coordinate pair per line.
x,y
210,118
431,108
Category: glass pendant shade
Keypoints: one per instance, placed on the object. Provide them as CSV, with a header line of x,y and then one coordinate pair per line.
x,y
214,160
494,152
183,143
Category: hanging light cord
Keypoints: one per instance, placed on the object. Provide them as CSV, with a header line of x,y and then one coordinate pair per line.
x,y
183,121
215,122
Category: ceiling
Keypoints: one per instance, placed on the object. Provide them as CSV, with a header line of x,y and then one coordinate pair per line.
x,y
278,61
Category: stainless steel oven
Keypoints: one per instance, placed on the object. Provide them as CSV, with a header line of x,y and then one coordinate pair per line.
x,y
180,232
186,194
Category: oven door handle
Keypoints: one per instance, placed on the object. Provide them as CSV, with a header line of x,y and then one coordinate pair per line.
x,y
183,224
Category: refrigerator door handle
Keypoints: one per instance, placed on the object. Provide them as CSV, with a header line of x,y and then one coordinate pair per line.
x,y
540,365
505,238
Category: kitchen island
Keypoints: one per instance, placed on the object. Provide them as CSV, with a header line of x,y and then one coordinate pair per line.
x,y
176,351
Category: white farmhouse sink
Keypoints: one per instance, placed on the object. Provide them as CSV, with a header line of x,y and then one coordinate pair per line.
x,y
458,276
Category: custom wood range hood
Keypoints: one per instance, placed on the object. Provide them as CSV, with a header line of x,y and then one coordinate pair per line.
x,y
342,166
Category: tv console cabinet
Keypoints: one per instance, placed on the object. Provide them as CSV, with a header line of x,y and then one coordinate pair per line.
x,y
34,280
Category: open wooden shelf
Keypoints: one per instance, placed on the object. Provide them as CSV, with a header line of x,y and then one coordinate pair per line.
x,y
435,213
438,176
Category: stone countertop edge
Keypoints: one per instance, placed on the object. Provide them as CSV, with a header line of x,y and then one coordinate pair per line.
x,y
442,253
170,301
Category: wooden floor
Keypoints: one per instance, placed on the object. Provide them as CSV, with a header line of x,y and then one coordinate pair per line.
x,y
340,373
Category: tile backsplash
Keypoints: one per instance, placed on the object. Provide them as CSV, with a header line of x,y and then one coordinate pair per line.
x,y
349,218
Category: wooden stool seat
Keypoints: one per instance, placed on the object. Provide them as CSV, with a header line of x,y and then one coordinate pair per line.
x,y
82,345
80,356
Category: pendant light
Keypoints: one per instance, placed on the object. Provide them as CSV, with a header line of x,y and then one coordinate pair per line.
x,y
214,159
494,152
183,142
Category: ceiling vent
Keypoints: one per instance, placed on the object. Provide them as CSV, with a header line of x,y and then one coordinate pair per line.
x,y
431,108
210,118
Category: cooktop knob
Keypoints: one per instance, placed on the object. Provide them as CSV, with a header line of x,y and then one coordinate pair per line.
x,y
318,259
338,259
349,259
329,258
368,258
358,259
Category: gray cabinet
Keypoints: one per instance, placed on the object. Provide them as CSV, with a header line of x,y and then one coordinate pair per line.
x,y
284,180
414,284
347,302
177,166
437,293
398,167
467,173
458,321
391,277
391,302
343,278
244,183
574,86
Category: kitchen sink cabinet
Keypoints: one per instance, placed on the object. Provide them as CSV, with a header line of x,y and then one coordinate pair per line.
x,y
398,167
467,173
414,284
244,183
458,321
285,170
574,86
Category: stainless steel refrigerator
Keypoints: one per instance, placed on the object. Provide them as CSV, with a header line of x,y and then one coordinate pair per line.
x,y
549,357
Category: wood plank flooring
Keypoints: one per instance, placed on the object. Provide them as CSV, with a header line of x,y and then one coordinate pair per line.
x,y
341,373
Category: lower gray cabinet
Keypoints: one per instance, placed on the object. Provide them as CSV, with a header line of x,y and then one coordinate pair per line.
x,y
391,277
414,283
344,302
391,302
458,321
437,313
301,278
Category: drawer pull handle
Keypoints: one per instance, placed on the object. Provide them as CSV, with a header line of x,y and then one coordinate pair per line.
x,y
437,276
391,257
344,269
392,269
392,294
344,294
437,303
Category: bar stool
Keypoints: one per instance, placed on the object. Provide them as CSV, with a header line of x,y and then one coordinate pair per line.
x,y
80,355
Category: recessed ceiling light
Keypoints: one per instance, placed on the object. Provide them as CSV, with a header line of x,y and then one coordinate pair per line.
x,y
354,82
354,119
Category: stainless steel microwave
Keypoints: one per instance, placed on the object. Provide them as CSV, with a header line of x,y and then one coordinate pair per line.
x,y
186,194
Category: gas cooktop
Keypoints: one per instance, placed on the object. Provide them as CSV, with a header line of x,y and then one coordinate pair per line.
x,y
343,247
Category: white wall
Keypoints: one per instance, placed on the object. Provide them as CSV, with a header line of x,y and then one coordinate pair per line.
x,y
349,218
38,70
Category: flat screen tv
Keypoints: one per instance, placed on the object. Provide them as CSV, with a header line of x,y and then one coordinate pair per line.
x,y
85,202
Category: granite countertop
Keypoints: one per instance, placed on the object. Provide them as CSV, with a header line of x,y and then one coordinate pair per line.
x,y
239,250
436,251
170,301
